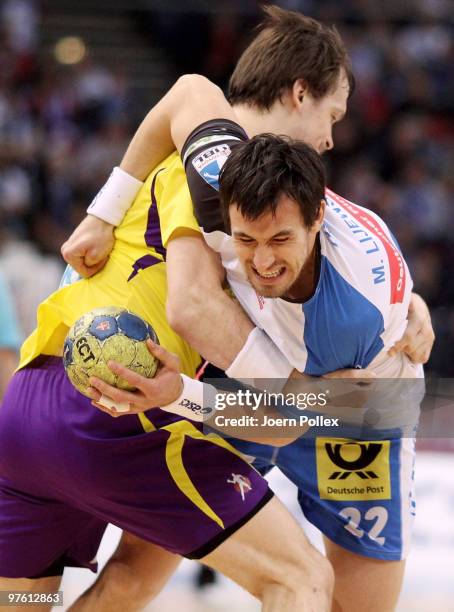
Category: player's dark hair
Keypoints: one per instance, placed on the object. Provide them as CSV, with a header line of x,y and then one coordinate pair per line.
x,y
258,172
290,46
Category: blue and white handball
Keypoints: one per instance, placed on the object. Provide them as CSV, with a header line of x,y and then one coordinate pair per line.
x,y
104,334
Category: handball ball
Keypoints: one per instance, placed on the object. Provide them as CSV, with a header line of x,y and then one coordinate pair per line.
x,y
105,334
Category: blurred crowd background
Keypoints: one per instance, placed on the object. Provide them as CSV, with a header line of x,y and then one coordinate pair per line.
x,y
76,77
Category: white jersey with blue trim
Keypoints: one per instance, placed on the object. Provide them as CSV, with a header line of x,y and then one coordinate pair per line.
x,y
360,304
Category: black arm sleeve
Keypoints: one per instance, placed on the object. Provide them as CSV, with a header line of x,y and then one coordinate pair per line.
x,y
204,154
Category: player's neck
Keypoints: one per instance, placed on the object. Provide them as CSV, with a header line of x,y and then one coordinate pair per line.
x,y
255,121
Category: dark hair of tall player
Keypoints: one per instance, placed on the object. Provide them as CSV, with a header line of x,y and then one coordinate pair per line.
x,y
290,46
258,172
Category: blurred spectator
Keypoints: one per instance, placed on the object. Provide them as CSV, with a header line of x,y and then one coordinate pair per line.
x,y
31,277
19,19
10,337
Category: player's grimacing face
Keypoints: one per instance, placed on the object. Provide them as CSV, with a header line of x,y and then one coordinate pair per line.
x,y
273,248
312,119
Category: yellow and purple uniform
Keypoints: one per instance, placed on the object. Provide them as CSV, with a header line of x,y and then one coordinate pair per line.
x,y
68,469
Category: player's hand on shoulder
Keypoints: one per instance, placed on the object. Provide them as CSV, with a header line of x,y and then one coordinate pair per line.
x,y
163,389
87,249
419,337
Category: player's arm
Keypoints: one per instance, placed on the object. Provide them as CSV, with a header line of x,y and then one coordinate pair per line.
x,y
172,392
419,336
201,402
197,307
192,100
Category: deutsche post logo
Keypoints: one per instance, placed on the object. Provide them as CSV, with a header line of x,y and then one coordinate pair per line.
x,y
352,470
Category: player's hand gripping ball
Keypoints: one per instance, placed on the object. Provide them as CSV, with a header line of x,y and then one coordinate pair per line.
x,y
104,334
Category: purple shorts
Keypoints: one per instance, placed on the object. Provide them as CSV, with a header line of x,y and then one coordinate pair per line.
x,y
68,469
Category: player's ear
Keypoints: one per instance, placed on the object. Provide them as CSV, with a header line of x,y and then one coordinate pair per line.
x,y
321,215
299,90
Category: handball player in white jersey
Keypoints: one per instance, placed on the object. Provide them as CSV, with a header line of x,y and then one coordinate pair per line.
x,y
325,280
217,327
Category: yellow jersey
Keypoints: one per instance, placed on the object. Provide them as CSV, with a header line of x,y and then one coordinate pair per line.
x,y
135,275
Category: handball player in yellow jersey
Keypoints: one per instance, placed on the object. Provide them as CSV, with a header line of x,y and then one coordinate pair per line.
x,y
281,102
144,261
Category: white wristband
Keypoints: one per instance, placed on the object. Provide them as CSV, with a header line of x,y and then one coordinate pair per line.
x,y
114,199
259,359
196,401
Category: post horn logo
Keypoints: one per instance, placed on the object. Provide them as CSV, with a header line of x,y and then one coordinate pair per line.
x,y
339,455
